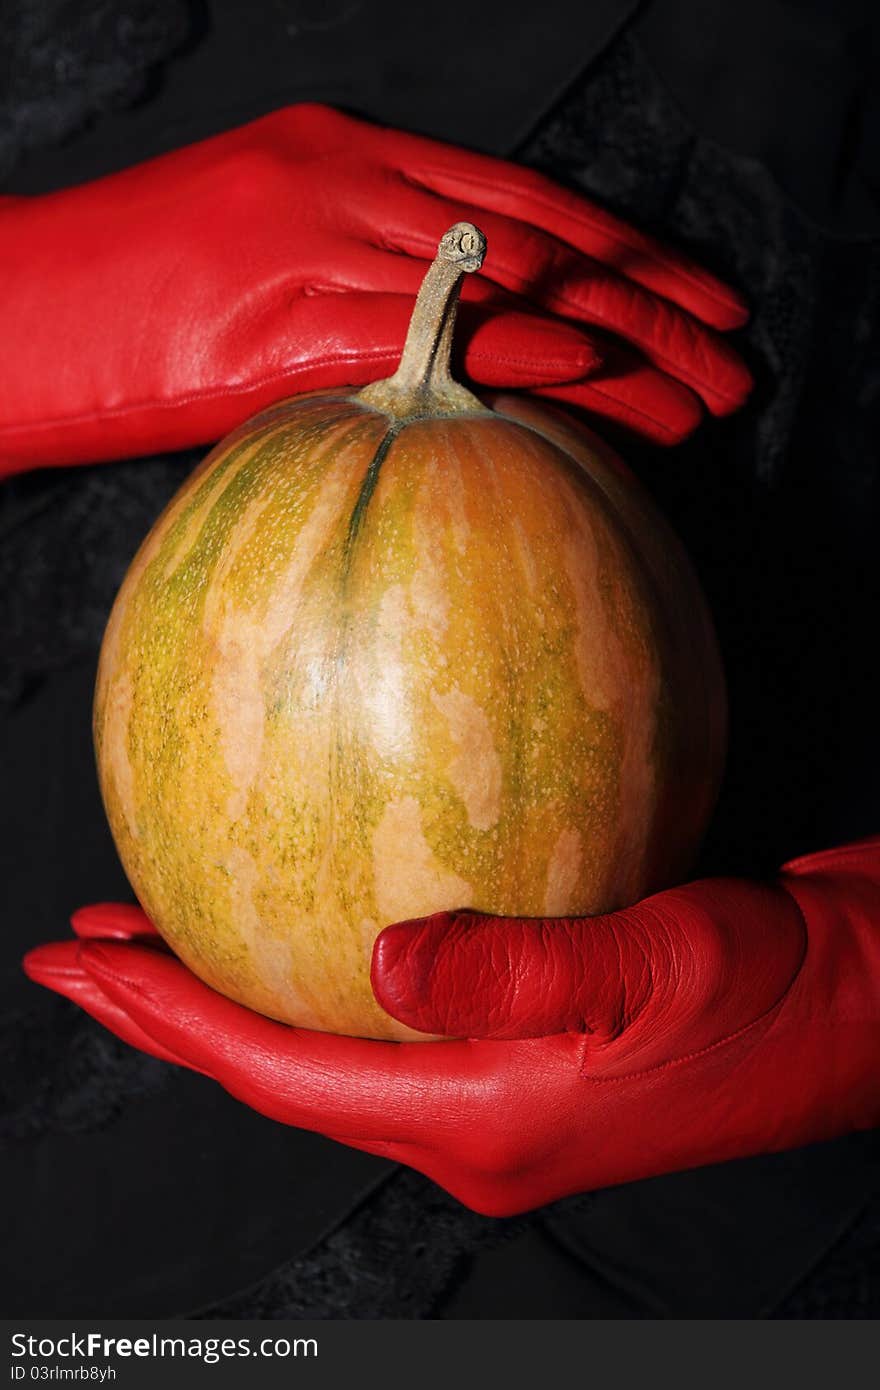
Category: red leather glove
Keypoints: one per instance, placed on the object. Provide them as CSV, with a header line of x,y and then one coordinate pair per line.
x,y
709,1022
159,307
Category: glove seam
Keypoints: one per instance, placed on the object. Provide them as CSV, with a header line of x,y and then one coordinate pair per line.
x,y
171,403
218,392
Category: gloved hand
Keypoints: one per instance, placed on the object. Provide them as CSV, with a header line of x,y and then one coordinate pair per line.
x,y
709,1022
157,308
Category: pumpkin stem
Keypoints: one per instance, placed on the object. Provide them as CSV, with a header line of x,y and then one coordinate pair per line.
x,y
423,384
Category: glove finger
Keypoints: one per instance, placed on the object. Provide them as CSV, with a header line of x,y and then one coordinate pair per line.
x,y
549,274
633,394
484,977
860,855
438,1107
514,192
57,967
319,1081
502,345
523,194
358,337
690,963
114,922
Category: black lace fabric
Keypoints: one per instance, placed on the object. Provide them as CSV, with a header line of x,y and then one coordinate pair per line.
x,y
846,1284
779,501
622,139
64,1073
62,63
394,1258
779,504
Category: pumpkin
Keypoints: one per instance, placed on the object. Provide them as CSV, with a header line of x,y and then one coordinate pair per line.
x,y
393,651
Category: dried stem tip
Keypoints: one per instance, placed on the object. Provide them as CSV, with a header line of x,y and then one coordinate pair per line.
x,y
422,384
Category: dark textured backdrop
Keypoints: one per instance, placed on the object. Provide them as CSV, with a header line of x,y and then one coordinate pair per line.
x,y
749,135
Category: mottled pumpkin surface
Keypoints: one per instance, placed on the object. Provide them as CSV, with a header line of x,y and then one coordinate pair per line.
x,y
360,671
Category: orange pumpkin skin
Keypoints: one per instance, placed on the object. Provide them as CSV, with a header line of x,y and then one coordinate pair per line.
x,y
362,670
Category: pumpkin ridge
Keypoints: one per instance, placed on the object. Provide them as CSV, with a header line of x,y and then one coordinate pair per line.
x,y
368,487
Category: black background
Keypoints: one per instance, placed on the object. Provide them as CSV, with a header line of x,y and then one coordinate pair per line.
x,y
747,132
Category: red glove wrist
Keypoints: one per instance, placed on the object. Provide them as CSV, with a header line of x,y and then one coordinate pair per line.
x,y
157,308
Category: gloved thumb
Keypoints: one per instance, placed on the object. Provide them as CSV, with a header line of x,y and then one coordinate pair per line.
x,y
467,974
710,956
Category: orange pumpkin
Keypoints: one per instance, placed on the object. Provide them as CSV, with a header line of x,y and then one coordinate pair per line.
x,y
394,651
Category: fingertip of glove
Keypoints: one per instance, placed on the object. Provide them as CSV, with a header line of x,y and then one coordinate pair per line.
x,y
43,962
735,313
395,952
403,963
737,387
518,351
718,304
588,359
568,353
112,921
